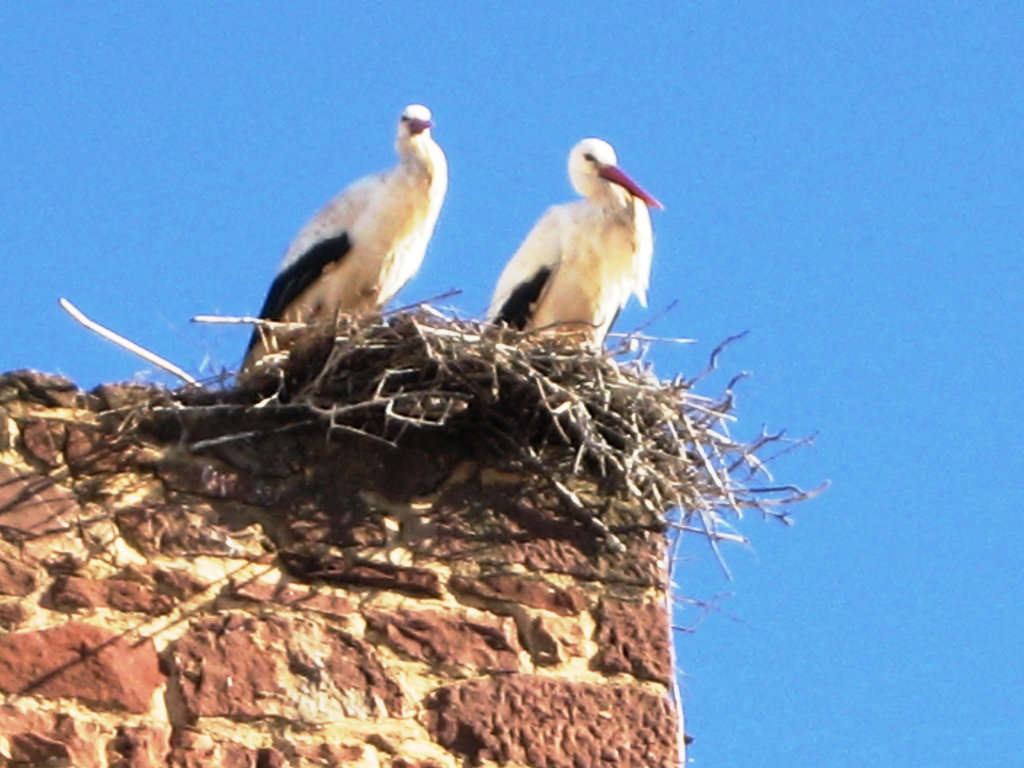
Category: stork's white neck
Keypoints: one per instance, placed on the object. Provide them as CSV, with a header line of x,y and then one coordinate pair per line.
x,y
418,153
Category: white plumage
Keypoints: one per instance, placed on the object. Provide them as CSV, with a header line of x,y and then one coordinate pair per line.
x,y
581,261
359,250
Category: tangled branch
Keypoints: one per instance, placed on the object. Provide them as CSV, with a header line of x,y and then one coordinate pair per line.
x,y
540,402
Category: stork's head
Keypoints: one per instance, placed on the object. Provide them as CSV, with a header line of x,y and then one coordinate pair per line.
x,y
592,168
415,120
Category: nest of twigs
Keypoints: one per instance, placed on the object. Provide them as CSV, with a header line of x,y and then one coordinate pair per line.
x,y
540,402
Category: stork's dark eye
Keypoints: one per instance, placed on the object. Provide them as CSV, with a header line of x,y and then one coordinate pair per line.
x,y
590,158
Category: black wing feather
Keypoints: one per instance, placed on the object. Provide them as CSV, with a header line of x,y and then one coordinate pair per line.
x,y
516,309
299,275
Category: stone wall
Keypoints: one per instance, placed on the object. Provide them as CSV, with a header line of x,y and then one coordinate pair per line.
x,y
179,587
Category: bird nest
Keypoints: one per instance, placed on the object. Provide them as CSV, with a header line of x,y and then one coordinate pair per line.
x,y
539,403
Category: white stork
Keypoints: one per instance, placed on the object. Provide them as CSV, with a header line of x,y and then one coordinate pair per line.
x,y
361,248
576,269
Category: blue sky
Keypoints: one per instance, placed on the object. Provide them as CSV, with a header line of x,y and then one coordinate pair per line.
x,y
845,181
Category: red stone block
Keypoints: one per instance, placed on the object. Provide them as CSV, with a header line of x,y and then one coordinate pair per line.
x,y
633,638
554,723
485,644
190,527
90,450
43,439
34,749
80,661
12,614
43,738
296,596
176,583
243,667
16,578
33,505
42,388
74,592
70,593
522,590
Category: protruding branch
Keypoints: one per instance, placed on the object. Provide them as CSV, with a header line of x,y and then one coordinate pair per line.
x,y
124,343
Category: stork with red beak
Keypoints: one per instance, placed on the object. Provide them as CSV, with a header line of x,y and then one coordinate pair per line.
x,y
582,260
361,248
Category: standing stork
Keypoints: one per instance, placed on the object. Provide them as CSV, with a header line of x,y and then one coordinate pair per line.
x,y
361,248
576,269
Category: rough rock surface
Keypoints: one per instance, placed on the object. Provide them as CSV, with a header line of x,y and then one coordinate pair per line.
x,y
633,638
554,723
175,593
83,661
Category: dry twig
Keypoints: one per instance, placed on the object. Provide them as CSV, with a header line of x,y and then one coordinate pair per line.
x,y
124,343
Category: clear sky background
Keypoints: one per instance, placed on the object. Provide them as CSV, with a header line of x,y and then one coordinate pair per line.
x,y
844,180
